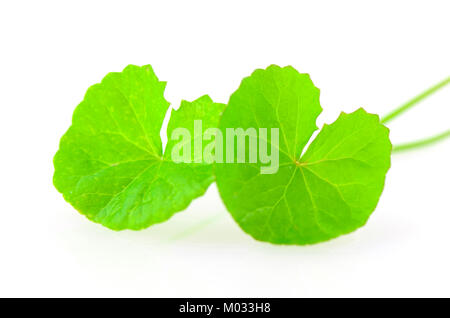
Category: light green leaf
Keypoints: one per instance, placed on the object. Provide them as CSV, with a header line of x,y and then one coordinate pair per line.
x,y
110,164
328,191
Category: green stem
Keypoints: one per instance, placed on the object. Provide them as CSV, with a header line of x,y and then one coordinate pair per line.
x,y
403,108
421,143
197,227
414,101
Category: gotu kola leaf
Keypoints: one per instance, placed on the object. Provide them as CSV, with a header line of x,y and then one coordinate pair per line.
x,y
329,190
110,164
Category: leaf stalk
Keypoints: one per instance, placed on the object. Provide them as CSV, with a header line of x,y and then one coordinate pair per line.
x,y
408,105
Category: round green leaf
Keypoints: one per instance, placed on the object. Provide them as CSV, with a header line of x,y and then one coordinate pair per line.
x,y
330,190
110,164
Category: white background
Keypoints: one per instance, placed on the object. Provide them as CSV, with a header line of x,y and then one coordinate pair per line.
x,y
376,55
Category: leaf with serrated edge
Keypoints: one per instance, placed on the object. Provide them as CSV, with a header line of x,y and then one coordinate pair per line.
x,y
110,164
328,191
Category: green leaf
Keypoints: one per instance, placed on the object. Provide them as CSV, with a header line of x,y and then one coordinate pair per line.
x,y
328,191
110,164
